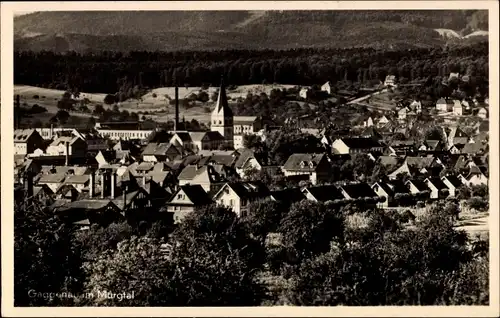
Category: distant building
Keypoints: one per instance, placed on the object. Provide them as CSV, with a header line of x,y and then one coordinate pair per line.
x,y
75,146
123,130
482,113
327,88
304,92
315,166
390,81
26,141
458,109
416,106
454,76
444,105
238,195
356,145
185,200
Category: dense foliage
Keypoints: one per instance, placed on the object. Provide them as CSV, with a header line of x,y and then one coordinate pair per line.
x,y
112,72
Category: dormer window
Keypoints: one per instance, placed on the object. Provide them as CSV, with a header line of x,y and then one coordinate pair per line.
x,y
311,164
220,122
302,164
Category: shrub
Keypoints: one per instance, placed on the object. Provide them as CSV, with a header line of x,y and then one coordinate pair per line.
x,y
154,95
478,203
36,96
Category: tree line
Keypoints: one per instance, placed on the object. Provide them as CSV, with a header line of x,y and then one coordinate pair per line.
x,y
112,72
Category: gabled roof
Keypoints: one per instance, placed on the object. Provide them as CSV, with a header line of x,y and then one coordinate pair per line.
x,y
65,139
74,179
454,180
371,132
361,143
247,190
303,162
444,101
358,190
195,194
325,193
419,184
245,154
437,182
244,120
288,195
420,162
22,135
473,148
52,178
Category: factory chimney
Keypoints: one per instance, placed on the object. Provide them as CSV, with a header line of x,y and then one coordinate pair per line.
x,y
176,123
67,153
113,185
92,185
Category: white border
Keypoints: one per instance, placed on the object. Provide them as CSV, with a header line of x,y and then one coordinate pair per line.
x,y
7,11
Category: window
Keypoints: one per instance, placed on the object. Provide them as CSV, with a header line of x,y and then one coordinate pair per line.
x,y
179,196
231,202
220,122
222,201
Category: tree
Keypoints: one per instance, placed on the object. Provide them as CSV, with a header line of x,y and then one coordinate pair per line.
x,y
264,217
45,260
309,227
109,99
62,116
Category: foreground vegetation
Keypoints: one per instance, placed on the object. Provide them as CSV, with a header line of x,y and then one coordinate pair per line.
x,y
217,259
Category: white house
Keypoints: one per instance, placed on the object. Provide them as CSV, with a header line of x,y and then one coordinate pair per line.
x,y
327,88
390,81
416,106
237,195
303,92
453,183
444,105
482,113
315,166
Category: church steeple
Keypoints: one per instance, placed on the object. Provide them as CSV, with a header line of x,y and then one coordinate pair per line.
x,y
222,106
222,116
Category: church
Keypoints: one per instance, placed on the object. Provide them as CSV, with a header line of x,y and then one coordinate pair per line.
x,y
222,118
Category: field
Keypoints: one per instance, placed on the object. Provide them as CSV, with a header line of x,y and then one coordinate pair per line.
x,y
155,102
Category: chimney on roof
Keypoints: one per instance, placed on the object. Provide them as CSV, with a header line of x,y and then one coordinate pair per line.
x,y
104,188
92,184
176,122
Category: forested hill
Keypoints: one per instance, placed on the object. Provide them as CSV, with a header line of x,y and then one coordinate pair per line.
x,y
202,30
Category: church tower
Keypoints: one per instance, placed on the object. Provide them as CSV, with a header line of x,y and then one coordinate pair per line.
x,y
222,117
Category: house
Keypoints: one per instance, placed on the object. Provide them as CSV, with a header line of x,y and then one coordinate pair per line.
x,y
71,145
413,166
475,148
371,132
388,190
185,200
26,141
288,195
246,125
455,135
453,183
416,106
357,191
477,176
304,92
356,145
437,187
246,162
401,147
458,108
430,145
315,166
207,140
454,76
403,112
482,113
53,181
368,122
444,105
416,186
205,176
327,88
156,152
237,195
382,121
124,148
105,158
322,193
79,183
390,81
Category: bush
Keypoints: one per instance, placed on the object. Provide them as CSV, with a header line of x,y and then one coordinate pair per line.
x,y
36,96
478,203
420,204
407,216
154,95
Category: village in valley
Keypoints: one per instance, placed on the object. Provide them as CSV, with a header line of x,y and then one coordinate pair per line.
x,y
351,176
118,167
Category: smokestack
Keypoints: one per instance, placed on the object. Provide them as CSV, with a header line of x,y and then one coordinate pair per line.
x,y
67,153
51,134
176,123
113,185
92,184
103,184
144,180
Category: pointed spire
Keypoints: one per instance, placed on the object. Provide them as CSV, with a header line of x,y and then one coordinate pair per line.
x,y
222,104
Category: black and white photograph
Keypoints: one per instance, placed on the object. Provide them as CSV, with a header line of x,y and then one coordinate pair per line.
x,y
269,157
